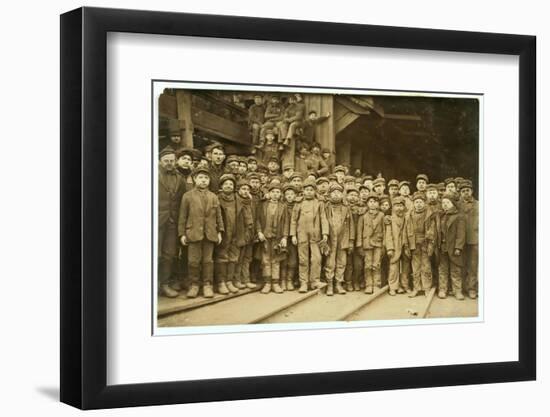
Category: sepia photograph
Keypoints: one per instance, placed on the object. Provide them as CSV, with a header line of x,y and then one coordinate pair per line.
x,y
276,207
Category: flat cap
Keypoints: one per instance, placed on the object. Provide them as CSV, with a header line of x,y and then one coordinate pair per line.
x,y
422,177
465,184
321,180
402,183
378,181
339,168
226,177
393,182
201,170
335,187
310,183
419,196
167,151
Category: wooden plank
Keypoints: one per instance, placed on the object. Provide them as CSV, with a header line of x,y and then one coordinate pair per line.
x,y
369,299
183,99
217,125
168,106
168,306
345,121
428,303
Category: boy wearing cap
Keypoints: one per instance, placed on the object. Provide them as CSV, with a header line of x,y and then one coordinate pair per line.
x,y
293,118
469,206
420,235
355,261
367,181
226,254
243,167
252,163
171,187
256,118
309,229
290,262
273,115
328,158
379,186
273,167
244,236
395,243
272,232
217,157
200,227
451,240
310,123
369,237
323,186
393,188
270,148
421,182
184,165
341,239
405,191
450,185
340,173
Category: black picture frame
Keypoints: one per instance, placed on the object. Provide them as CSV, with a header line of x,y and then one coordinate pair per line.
x,y
83,312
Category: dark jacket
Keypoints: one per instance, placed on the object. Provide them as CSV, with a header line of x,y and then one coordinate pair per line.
x,y
471,211
346,238
453,230
244,229
281,223
319,221
413,238
394,235
370,231
256,114
198,222
169,199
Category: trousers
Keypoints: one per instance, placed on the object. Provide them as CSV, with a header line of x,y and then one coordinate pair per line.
x,y
200,261
421,267
271,260
471,261
398,275
309,262
448,268
167,251
373,275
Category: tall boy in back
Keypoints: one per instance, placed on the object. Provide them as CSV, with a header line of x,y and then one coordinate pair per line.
x,y
370,234
341,238
309,228
200,227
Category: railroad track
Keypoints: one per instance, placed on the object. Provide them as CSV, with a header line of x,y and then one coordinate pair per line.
x,y
293,307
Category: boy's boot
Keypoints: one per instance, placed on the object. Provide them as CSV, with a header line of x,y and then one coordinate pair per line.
x,y
303,286
330,290
245,275
167,291
194,277
233,277
267,286
276,286
207,276
221,277
472,294
340,288
413,293
368,282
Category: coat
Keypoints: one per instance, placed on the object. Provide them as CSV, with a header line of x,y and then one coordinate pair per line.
x,y
471,211
346,237
370,231
429,229
320,222
169,200
394,235
453,227
198,222
244,229
282,223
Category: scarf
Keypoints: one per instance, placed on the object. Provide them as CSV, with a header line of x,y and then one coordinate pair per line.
x,y
226,197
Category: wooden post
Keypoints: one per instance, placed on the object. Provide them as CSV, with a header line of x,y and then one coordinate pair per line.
x,y
322,104
343,152
183,98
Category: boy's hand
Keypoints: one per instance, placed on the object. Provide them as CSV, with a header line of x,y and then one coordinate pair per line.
x,y
390,253
294,240
457,252
183,241
325,239
407,252
328,114
261,237
283,242
219,238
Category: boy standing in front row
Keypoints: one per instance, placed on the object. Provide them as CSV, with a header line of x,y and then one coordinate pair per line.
x,y
341,238
272,229
308,229
470,207
394,237
419,231
370,234
200,227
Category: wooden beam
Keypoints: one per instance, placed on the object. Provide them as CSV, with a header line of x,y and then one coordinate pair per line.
x,y
183,99
227,129
345,121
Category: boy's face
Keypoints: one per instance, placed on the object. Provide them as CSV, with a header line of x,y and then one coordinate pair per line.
x,y
168,162
316,150
255,183
466,193
303,150
203,163
340,176
431,195
421,185
252,166
385,206
202,180
228,186
309,192
274,100
185,161
270,137
290,196
379,189
243,167
258,100
312,116
404,190
352,197
446,204
273,166
176,139
218,156
368,183
296,182
288,173
336,196
450,187
322,187
419,204
364,193
372,204
244,191
326,155
349,184
399,209
393,190
275,194
234,166
263,178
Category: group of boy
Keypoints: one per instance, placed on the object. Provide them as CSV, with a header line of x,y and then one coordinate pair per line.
x,y
234,223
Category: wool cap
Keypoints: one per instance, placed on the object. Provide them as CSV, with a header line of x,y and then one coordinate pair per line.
x,y
339,168
385,197
431,187
335,187
453,197
242,183
201,170
167,151
419,196
402,183
422,177
287,187
398,200
465,184
379,181
226,177
449,180
321,180
393,182
373,196
310,183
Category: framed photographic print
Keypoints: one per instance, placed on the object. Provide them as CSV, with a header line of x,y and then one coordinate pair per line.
x,y
336,207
